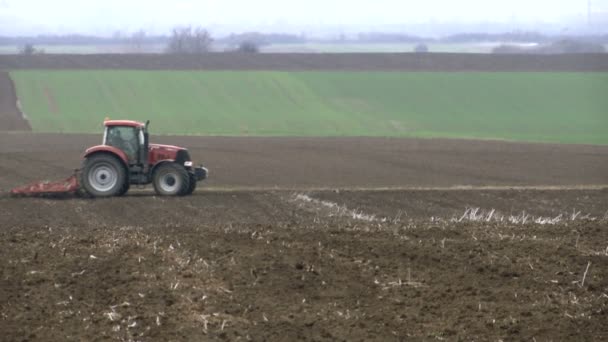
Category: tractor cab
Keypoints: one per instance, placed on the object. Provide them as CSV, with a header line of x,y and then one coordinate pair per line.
x,y
129,137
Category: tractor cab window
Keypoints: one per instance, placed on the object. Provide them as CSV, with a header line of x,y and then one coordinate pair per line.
x,y
124,138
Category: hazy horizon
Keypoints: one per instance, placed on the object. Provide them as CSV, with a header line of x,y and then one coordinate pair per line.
x,y
433,17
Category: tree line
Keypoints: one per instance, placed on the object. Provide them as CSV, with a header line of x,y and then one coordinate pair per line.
x,y
181,40
198,40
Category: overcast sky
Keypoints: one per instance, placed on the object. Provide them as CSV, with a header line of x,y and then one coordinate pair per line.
x,y
91,16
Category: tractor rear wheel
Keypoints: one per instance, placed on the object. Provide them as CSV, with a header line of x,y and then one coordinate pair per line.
x,y
103,176
124,189
171,179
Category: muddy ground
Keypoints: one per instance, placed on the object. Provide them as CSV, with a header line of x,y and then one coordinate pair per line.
x,y
260,252
284,265
302,61
331,162
282,243
11,118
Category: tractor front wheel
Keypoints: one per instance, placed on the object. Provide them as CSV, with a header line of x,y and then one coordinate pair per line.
x,y
171,179
103,176
192,186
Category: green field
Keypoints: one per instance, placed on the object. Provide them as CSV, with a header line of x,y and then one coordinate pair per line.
x,y
548,107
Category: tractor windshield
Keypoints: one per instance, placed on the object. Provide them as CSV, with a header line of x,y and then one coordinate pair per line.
x,y
124,138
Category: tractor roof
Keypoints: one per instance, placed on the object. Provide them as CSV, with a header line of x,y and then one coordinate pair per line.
x,y
130,123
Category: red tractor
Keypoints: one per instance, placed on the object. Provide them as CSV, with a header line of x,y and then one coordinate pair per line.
x,y
126,158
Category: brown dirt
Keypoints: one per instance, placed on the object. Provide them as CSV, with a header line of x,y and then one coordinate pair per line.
x,y
306,264
331,162
265,266
417,204
362,61
11,118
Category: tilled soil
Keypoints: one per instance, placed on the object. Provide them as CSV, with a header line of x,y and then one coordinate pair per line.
x,y
310,264
281,265
308,163
418,204
11,118
302,61
237,261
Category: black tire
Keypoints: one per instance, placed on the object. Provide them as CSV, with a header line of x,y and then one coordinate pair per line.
x,y
192,186
103,175
171,179
124,189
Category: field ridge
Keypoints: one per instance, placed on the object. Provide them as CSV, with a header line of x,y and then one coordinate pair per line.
x,y
441,62
11,117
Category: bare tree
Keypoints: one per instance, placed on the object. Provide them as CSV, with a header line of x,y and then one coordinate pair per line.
x,y
201,40
177,40
138,39
421,48
29,49
248,47
188,40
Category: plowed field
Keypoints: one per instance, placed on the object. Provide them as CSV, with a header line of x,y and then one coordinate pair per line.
x,y
286,266
11,118
292,163
271,249
320,239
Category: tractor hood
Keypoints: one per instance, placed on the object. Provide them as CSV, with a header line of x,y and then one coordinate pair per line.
x,y
159,152
167,148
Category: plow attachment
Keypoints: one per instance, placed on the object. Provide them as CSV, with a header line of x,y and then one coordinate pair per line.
x,y
47,188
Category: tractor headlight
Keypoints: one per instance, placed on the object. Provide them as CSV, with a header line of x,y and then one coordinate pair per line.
x,y
188,164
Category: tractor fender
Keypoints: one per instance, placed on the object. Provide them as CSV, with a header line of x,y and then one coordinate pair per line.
x,y
109,150
162,162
